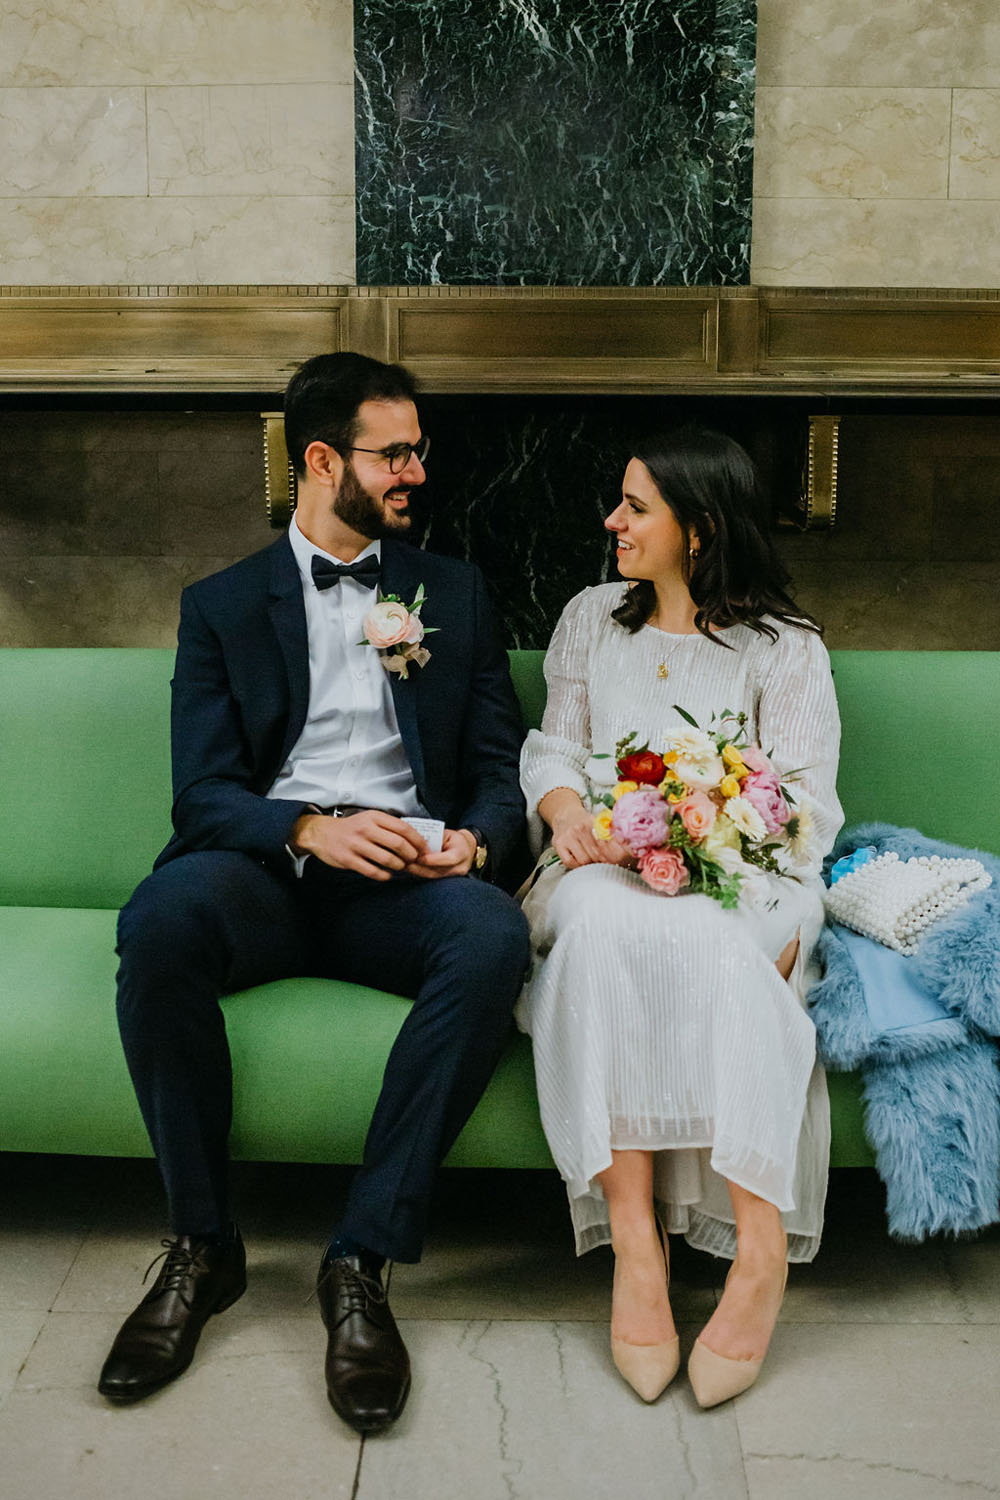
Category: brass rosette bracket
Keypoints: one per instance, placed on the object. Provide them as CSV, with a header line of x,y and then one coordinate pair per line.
x,y
279,476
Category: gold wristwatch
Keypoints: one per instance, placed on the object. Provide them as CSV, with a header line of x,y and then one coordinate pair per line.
x,y
482,853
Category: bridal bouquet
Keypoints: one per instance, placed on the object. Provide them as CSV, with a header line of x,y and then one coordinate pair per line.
x,y
705,813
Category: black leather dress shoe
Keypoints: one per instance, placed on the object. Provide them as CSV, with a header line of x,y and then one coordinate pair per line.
x,y
156,1343
367,1366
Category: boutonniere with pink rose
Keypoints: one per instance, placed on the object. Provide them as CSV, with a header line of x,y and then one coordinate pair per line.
x,y
396,631
705,813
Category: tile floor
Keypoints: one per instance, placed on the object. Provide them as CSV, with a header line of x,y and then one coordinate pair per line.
x,y
883,1381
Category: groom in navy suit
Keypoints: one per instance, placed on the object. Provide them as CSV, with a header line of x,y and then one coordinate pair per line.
x,y
302,754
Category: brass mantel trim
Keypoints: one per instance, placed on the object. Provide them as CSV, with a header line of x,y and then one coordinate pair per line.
x,y
728,340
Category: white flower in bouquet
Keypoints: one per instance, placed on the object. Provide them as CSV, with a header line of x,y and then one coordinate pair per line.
x,y
698,762
600,771
802,849
746,818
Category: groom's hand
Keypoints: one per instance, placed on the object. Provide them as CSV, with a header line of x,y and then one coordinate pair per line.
x,y
456,857
371,843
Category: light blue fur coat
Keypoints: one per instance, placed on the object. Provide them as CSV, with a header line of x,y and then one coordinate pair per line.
x,y
931,1080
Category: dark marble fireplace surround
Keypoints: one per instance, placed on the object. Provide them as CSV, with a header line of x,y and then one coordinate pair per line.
x,y
109,505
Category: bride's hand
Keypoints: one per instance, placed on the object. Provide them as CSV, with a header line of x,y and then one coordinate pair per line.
x,y
576,844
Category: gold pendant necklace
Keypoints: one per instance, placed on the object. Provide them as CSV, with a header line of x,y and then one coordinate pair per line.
x,y
663,671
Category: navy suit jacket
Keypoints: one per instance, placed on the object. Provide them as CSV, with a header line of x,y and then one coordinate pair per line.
x,y
240,695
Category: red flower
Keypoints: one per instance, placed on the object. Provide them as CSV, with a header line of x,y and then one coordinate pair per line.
x,y
644,766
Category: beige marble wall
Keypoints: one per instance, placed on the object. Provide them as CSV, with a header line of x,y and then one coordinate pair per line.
x,y
176,141
877,152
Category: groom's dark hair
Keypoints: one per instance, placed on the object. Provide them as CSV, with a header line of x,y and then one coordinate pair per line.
x,y
324,394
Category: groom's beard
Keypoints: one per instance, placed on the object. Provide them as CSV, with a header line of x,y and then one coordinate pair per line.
x,y
367,514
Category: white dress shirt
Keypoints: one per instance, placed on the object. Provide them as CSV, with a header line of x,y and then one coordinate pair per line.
x,y
349,752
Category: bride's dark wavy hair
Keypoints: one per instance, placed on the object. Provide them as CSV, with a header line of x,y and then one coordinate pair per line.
x,y
712,487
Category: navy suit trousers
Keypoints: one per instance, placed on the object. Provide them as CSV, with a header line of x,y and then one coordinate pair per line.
x,y
216,921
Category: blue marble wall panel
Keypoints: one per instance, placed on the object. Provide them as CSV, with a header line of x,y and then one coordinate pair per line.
x,y
554,142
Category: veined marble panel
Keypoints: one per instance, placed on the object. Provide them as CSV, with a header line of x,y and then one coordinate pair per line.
x,y
241,138
64,142
74,241
852,143
895,43
107,42
975,144
895,242
584,144
522,485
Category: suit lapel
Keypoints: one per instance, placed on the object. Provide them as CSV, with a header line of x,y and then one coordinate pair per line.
x,y
400,575
288,616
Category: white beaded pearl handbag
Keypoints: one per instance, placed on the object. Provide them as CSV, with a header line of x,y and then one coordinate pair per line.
x,y
895,901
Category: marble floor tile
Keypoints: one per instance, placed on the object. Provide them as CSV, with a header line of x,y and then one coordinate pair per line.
x,y
973,1271
896,1283
249,1419
898,1413
33,1266
516,1411
18,1332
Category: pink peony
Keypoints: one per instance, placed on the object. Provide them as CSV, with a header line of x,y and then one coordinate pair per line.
x,y
640,820
755,760
664,870
697,813
761,790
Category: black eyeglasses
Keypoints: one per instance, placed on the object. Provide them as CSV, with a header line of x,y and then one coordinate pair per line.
x,y
397,455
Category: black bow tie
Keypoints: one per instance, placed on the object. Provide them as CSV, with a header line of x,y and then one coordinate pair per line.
x,y
326,574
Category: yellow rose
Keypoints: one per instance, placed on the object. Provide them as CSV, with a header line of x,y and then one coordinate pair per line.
x,y
623,787
729,786
669,757
602,824
733,759
672,789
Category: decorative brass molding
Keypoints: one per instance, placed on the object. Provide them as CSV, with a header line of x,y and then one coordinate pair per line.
x,y
729,340
818,501
279,477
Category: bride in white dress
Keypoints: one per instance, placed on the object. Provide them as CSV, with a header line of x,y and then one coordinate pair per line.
x,y
675,1061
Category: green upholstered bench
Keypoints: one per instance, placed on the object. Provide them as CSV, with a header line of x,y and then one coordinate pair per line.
x,y
84,802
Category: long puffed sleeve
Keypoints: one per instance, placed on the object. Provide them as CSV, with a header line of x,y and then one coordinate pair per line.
x,y
556,754
798,724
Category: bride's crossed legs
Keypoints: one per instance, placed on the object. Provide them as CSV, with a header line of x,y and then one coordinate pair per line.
x,y
742,1324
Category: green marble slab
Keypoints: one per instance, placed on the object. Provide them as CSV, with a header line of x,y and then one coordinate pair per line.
x,y
554,142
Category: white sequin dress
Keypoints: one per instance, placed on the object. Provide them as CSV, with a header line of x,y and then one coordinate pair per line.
x,y
661,1023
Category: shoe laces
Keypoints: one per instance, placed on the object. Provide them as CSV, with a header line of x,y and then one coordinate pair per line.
x,y
178,1266
359,1290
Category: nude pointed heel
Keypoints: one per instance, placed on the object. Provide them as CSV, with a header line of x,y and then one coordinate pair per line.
x,y
715,1379
648,1368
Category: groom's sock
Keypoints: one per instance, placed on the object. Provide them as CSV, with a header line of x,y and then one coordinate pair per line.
x,y
342,1244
